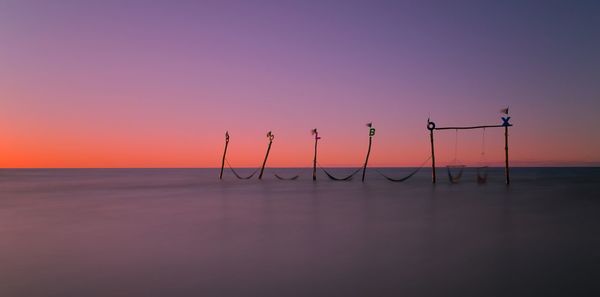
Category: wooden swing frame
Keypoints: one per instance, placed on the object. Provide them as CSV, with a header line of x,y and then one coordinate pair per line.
x,y
505,124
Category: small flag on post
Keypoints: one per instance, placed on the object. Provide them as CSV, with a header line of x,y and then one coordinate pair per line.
x,y
371,129
314,132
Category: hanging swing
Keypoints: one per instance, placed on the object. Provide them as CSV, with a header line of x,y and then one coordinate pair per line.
x,y
279,177
345,178
482,170
455,170
397,180
237,174
295,177
349,177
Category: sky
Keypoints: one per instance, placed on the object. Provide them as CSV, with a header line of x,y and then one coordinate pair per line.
x,y
157,83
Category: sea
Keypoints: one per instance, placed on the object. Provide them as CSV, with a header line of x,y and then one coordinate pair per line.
x,y
184,232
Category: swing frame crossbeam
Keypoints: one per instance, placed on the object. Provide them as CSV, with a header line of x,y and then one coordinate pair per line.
x,y
470,128
505,124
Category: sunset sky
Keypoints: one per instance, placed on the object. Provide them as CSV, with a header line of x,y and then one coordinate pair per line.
x,y
139,84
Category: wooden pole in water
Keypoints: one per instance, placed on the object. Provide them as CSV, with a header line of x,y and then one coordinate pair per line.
x,y
371,134
506,168
262,169
431,127
314,175
506,124
224,154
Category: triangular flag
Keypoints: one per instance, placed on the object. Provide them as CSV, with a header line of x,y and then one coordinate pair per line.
x,y
504,110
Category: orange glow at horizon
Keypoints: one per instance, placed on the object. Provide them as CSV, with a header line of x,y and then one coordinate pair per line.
x,y
75,148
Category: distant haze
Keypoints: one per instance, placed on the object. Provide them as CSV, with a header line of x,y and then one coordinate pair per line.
x,y
140,84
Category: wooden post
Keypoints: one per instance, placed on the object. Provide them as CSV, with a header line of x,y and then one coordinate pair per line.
x,y
371,134
262,169
506,168
367,160
431,127
314,175
224,154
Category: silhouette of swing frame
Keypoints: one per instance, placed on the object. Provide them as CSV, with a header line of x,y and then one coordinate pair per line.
x,y
505,124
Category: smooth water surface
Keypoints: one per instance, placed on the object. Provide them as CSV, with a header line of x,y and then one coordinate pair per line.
x,y
182,232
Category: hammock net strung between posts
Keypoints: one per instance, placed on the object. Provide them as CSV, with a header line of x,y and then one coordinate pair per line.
x,y
397,180
237,174
346,178
279,177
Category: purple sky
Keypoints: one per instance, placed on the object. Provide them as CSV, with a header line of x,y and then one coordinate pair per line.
x,y
129,83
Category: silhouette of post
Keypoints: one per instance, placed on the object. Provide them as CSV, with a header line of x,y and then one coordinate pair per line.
x,y
262,169
431,127
371,134
224,154
506,168
316,134
506,124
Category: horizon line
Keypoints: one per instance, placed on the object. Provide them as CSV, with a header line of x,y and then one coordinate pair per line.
x,y
305,167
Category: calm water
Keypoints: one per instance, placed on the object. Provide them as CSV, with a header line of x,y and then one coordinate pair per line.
x,y
181,232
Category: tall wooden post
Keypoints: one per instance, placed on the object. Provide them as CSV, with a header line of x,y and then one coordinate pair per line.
x,y
371,134
262,169
224,154
314,175
506,124
431,127
506,168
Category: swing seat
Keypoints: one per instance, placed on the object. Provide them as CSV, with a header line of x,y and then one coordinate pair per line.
x,y
482,175
452,177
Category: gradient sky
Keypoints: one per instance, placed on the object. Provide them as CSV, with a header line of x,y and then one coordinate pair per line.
x,y
137,84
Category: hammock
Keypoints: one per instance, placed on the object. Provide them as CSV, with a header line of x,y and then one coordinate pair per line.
x,y
397,180
455,178
482,175
239,176
347,178
295,177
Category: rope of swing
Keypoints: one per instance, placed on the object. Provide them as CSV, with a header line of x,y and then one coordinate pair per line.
x,y
455,145
407,176
455,178
482,174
